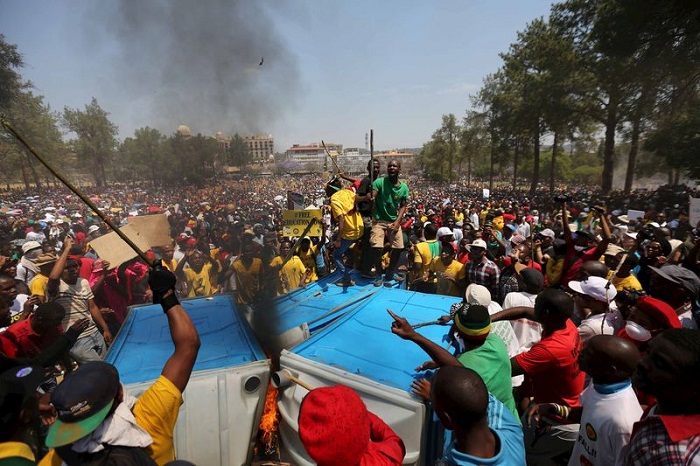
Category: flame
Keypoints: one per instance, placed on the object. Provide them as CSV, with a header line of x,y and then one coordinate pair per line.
x,y
270,418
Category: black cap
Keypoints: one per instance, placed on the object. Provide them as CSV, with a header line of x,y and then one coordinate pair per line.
x,y
16,386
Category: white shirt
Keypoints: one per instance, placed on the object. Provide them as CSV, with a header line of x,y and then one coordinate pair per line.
x,y
606,427
528,332
590,326
474,219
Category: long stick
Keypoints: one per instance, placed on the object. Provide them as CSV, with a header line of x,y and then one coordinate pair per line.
x,y
75,190
331,157
298,241
371,159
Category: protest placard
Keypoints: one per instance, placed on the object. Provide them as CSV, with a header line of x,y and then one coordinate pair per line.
x,y
296,220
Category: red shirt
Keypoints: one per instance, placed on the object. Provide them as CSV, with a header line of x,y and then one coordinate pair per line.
x,y
21,341
551,367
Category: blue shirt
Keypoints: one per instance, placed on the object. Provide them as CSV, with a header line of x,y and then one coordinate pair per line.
x,y
510,435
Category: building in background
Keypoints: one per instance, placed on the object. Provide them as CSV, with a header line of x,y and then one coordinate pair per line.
x,y
312,157
261,147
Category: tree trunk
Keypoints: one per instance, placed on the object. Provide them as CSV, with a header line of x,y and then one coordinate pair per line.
x,y
553,165
32,169
536,160
609,154
516,158
634,150
469,169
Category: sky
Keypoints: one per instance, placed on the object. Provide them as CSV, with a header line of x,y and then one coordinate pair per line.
x,y
331,70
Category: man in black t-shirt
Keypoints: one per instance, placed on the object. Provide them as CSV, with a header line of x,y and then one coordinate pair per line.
x,y
363,204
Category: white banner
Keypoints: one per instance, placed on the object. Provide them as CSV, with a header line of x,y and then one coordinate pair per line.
x,y
486,193
636,215
694,211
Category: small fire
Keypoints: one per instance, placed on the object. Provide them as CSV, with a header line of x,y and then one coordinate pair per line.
x,y
270,420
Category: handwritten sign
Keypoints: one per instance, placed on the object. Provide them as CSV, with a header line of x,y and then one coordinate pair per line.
x,y
694,211
295,221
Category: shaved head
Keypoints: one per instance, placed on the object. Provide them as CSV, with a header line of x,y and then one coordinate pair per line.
x,y
609,359
459,397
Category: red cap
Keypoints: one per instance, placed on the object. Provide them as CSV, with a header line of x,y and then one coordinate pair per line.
x,y
334,426
659,310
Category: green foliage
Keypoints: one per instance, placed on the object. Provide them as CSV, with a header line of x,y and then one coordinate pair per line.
x,y
678,141
238,153
10,80
96,138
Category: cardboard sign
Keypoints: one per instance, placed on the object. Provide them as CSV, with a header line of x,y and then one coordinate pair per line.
x,y
295,221
486,193
155,228
635,215
112,248
694,211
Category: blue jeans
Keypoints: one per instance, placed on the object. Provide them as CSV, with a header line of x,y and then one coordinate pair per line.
x,y
89,348
338,258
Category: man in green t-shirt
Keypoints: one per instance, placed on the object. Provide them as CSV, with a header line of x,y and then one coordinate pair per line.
x,y
390,200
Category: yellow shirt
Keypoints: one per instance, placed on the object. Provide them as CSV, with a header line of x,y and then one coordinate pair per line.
x,y
156,412
554,270
247,280
199,284
629,283
309,260
292,275
38,285
455,270
170,265
424,254
343,205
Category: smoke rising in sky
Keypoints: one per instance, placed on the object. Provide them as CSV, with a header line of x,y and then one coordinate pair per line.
x,y
195,63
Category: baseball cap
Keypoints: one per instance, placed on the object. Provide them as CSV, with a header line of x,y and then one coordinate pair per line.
x,y
334,426
16,386
444,231
680,276
548,232
595,287
30,245
478,243
82,401
93,229
477,294
532,278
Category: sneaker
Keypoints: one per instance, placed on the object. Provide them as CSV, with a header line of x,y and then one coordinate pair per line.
x,y
399,277
378,280
345,284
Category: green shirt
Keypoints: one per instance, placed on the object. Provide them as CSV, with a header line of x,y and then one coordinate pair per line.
x,y
389,198
492,363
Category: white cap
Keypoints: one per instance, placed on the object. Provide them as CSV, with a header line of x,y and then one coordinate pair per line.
x,y
548,232
595,287
478,294
444,231
29,245
478,243
93,228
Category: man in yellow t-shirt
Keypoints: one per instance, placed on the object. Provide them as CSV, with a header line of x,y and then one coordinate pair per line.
x,y
248,271
293,273
350,226
92,395
451,274
38,284
200,276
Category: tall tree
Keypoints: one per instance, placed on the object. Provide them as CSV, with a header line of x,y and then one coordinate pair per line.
x,y
238,152
10,79
96,138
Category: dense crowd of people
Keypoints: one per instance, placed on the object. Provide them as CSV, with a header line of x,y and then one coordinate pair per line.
x,y
575,340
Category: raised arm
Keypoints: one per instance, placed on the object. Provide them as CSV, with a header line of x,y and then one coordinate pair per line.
x,y
182,331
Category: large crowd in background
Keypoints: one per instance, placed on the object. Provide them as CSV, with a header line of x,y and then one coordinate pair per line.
x,y
577,324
